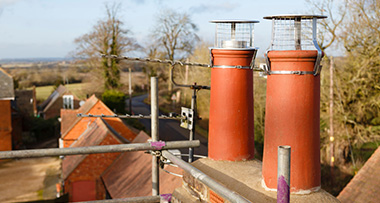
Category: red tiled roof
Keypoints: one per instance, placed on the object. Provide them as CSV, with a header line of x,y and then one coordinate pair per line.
x,y
90,102
93,135
365,185
131,174
71,121
68,117
118,125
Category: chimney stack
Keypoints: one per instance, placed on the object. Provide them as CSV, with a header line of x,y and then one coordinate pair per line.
x,y
231,133
292,102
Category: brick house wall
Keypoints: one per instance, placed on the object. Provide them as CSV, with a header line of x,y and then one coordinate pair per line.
x,y
5,125
26,101
17,130
91,168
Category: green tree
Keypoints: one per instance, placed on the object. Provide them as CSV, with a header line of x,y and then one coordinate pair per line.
x,y
361,39
356,75
109,37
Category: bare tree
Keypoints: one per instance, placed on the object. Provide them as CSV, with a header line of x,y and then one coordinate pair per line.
x,y
329,27
106,37
176,35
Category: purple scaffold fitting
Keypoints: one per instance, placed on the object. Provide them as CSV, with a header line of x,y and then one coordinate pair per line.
x,y
158,144
283,193
166,197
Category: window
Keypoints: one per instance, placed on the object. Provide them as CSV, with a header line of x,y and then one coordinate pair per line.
x,y
68,101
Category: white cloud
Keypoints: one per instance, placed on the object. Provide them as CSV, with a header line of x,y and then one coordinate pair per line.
x,y
4,3
224,6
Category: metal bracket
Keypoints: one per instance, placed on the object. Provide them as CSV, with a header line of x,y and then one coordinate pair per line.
x,y
188,118
267,67
317,66
284,72
154,153
184,85
237,67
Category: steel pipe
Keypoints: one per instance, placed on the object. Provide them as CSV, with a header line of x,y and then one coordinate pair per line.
x,y
154,134
138,116
147,199
195,116
283,174
205,179
94,149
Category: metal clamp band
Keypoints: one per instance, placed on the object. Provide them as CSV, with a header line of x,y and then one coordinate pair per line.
x,y
237,67
291,72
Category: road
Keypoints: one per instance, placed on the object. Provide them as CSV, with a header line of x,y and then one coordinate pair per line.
x,y
29,179
169,130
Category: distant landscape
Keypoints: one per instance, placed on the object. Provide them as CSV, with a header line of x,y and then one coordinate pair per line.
x,y
32,60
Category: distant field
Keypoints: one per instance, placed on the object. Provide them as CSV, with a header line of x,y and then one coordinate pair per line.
x,y
43,92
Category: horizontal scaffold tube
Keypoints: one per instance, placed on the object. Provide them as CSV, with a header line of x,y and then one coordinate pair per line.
x,y
148,199
95,149
205,179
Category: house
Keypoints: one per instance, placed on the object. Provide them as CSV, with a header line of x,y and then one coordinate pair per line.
x,y
84,171
81,173
60,98
130,175
23,108
364,186
108,175
26,102
6,95
73,126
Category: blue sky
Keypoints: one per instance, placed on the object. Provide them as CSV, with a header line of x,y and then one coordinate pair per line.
x,y
47,28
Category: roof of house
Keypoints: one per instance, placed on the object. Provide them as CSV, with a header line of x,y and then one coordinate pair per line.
x,y
365,185
6,86
92,136
70,120
57,93
71,125
68,117
119,126
130,174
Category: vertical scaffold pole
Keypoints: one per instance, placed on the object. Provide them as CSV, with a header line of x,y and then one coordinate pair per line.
x,y
130,91
155,136
283,174
195,116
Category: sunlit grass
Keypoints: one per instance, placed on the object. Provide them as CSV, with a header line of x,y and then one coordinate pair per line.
x,y
43,92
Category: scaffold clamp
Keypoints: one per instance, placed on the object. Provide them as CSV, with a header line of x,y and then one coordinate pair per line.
x,y
158,144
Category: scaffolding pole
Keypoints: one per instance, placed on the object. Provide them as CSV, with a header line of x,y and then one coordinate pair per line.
x,y
195,116
226,193
283,174
147,199
95,149
155,135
